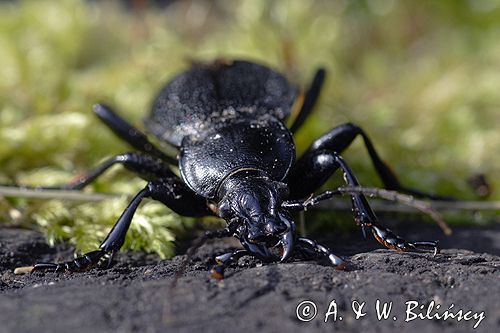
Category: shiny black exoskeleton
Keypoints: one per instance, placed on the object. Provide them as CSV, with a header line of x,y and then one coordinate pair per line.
x,y
237,161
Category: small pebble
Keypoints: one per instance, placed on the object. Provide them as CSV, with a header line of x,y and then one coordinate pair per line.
x,y
23,270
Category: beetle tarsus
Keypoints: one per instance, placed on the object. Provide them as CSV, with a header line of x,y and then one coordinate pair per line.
x,y
315,248
79,264
224,260
392,241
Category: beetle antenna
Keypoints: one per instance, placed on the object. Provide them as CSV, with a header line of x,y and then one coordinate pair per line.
x,y
405,199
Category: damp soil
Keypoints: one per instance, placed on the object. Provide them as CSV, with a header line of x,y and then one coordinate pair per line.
x,y
138,294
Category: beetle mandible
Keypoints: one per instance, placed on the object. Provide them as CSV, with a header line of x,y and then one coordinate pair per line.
x,y
237,161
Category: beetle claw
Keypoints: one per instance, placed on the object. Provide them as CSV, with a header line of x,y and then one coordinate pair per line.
x,y
425,247
287,244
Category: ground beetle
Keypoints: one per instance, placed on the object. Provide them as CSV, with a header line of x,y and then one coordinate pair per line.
x,y
237,161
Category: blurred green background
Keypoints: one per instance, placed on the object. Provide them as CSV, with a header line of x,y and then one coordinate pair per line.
x,y
421,77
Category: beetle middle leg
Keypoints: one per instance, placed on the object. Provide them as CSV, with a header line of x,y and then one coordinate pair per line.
x,y
337,140
170,191
145,166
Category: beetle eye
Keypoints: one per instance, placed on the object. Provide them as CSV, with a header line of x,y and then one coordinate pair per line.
x,y
283,190
225,209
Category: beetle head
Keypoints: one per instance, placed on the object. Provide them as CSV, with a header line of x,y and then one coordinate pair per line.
x,y
251,204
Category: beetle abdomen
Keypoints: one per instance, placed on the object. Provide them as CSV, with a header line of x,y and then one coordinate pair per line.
x,y
194,99
263,143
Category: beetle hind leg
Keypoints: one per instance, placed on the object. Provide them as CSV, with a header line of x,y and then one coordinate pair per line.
x,y
309,100
130,134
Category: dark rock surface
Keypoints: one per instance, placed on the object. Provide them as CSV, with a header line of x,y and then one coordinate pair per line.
x,y
138,295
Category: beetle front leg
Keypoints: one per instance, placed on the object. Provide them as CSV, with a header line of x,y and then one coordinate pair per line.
x,y
315,249
110,246
383,235
82,263
325,163
392,241
224,260
171,192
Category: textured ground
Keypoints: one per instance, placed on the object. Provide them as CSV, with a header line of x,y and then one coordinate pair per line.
x,y
137,294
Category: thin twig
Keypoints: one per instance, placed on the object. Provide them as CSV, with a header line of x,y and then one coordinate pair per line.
x,y
77,195
405,199
382,205
49,194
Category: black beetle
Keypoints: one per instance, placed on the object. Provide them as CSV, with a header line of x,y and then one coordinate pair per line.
x,y
237,161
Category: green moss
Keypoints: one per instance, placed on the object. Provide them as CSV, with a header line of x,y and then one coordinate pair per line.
x,y
420,77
